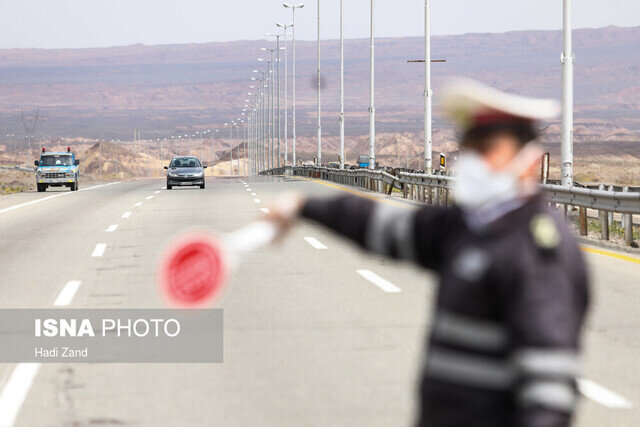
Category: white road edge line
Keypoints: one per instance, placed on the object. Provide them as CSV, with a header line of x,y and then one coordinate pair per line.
x,y
99,250
21,205
15,391
112,228
602,395
126,215
67,293
256,200
138,204
315,243
383,284
265,210
32,202
149,197
98,186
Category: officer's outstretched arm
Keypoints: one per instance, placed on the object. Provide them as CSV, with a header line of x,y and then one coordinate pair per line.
x,y
545,312
395,231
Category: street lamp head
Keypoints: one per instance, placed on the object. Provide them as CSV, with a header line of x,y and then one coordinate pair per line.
x,y
287,5
300,6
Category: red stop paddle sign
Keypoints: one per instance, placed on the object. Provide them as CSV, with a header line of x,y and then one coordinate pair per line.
x,y
193,271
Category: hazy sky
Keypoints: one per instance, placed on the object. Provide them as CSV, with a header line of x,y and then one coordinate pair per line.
x,y
88,23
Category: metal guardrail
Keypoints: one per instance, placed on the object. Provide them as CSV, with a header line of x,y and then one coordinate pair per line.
x,y
18,168
436,189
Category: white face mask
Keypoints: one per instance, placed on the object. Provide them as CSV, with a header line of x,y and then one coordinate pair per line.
x,y
478,186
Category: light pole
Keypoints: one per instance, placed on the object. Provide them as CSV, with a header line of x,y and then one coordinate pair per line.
x,y
269,107
227,124
567,98
319,161
213,152
286,99
341,118
427,88
293,14
372,108
261,119
279,115
246,147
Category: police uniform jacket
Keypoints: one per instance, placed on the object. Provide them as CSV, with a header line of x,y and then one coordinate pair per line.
x,y
504,340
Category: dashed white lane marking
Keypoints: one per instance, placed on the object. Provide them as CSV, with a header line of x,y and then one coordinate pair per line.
x,y
112,228
126,215
602,395
158,192
253,194
265,210
67,293
383,284
256,200
315,243
138,204
15,391
149,197
248,189
99,250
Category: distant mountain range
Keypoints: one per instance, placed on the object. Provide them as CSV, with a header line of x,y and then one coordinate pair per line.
x,y
107,92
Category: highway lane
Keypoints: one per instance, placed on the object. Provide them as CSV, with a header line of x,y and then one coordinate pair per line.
x,y
308,339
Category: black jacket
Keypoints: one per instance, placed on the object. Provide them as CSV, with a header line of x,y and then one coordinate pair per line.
x,y
504,342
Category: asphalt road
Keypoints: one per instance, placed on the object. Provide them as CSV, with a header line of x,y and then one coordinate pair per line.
x,y
312,335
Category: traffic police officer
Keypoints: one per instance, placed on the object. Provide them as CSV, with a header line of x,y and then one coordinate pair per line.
x,y
504,346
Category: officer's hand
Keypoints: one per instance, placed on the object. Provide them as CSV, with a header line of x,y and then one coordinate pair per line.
x,y
285,211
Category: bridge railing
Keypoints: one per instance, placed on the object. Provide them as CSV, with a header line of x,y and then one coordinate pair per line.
x,y
599,210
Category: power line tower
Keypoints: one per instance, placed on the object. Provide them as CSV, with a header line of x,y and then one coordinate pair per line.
x,y
29,131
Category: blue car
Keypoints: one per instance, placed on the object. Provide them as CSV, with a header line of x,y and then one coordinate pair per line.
x,y
57,169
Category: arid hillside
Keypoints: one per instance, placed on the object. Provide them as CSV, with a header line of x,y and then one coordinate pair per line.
x,y
103,94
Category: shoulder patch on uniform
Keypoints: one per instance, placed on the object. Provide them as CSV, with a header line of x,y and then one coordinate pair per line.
x,y
544,231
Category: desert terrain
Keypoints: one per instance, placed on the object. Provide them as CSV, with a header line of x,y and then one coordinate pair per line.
x,y
96,97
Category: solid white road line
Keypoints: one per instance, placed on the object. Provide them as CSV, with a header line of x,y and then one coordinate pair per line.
x,y
383,284
602,395
67,293
98,186
149,197
265,210
112,228
256,200
138,204
126,215
15,391
99,250
21,205
315,243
